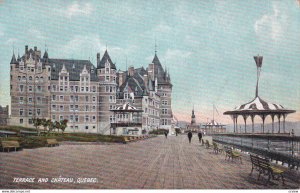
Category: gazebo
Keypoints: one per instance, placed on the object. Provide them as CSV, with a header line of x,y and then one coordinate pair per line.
x,y
128,120
259,107
214,127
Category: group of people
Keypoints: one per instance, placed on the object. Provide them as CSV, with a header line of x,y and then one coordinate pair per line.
x,y
190,135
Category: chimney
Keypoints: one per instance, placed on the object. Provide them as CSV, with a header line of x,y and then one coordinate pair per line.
x,y
121,78
98,59
151,71
35,48
146,81
131,71
26,49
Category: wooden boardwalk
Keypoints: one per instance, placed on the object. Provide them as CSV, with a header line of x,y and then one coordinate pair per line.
x,y
156,163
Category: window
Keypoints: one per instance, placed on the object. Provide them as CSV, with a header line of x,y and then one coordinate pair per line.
x,y
21,88
66,78
30,100
61,88
71,107
87,118
61,117
76,98
94,108
94,118
30,88
125,95
53,107
30,121
61,108
107,78
76,127
38,100
164,111
94,98
76,107
53,87
86,127
87,98
72,88
21,121
86,107
21,100
106,70
61,98
164,121
19,78
71,118
110,89
23,78
53,97
30,78
53,117
21,112
164,102
146,110
38,111
82,89
39,88
30,112
94,89
76,119
66,88
86,89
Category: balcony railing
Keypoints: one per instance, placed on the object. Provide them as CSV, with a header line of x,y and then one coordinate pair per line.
x,y
126,124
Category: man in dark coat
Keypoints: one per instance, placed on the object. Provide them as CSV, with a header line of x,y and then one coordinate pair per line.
x,y
190,135
200,136
166,134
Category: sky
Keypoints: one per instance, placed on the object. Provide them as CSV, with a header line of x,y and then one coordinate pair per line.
x,y
207,46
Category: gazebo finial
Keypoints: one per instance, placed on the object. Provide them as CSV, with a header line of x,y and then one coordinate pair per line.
x,y
258,60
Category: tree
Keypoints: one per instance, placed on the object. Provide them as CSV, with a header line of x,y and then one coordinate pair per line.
x,y
63,125
44,123
37,122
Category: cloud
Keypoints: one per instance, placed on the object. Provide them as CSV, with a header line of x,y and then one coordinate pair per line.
x,y
11,41
36,34
79,9
272,25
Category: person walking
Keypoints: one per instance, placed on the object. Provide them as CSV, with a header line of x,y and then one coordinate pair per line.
x,y
190,135
200,136
166,134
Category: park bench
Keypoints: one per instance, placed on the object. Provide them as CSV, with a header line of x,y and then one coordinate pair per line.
x,y
232,154
264,167
217,149
52,142
10,144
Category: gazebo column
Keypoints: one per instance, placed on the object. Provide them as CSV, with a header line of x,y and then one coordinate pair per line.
x,y
263,117
252,120
279,116
236,122
272,116
232,117
245,121
284,116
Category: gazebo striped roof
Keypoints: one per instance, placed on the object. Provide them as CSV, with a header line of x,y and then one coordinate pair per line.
x,y
257,106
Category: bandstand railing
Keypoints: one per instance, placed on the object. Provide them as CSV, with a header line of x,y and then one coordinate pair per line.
x,y
283,148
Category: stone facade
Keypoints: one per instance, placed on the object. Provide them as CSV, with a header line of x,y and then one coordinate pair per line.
x,y
76,90
4,115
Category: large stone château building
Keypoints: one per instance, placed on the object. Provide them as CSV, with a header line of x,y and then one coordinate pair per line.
x,y
76,90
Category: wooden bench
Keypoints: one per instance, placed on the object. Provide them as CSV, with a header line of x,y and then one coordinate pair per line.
x,y
264,167
232,154
10,144
217,149
52,142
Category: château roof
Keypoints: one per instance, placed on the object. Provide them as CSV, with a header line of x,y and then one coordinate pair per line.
x,y
105,58
74,68
13,59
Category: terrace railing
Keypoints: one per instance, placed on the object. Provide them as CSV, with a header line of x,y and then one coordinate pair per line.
x,y
283,148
